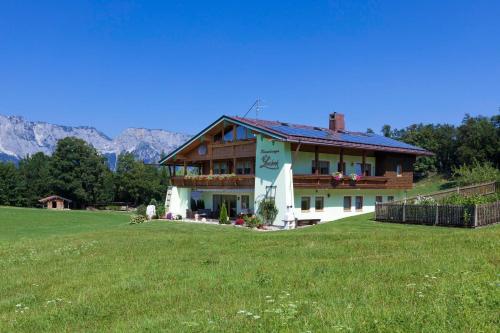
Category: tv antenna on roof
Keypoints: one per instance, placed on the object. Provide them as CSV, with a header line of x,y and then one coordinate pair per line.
x,y
257,106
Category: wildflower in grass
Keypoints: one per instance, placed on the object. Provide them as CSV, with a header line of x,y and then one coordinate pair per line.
x,y
256,317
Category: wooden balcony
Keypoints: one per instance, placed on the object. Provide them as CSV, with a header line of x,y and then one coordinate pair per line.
x,y
329,182
215,181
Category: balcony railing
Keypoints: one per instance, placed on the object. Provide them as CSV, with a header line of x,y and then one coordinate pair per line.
x,y
329,181
215,181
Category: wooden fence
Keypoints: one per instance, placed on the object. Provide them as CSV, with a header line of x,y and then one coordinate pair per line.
x,y
479,189
441,215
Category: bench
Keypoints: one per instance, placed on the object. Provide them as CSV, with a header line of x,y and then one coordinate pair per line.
x,y
302,222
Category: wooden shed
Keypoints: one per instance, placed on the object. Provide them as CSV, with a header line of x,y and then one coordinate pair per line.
x,y
55,202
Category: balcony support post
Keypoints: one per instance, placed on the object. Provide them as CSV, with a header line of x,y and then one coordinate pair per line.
x,y
185,168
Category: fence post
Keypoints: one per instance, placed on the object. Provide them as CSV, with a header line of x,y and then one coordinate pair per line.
x,y
404,212
475,216
436,221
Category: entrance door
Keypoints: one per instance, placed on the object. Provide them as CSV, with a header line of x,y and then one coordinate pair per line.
x,y
229,200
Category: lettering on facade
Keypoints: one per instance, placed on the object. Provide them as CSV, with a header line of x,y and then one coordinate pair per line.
x,y
267,161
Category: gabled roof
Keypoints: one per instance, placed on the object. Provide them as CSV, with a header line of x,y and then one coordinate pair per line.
x,y
215,123
324,136
53,197
312,135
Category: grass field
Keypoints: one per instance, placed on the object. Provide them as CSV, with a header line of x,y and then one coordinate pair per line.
x,y
91,271
429,185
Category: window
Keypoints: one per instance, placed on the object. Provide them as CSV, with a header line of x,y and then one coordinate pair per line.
x,y
324,167
245,202
368,169
359,203
244,167
243,133
319,204
338,167
221,168
399,170
347,204
390,198
379,199
305,204
228,134
218,137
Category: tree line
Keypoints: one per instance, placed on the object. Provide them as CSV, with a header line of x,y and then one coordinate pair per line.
x,y
78,172
475,141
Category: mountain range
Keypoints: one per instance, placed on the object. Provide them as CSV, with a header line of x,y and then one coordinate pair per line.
x,y
19,138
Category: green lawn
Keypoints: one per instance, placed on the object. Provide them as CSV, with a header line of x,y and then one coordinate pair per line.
x,y
91,271
429,185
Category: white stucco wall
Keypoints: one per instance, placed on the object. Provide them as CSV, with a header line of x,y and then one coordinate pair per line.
x,y
303,163
281,176
180,201
207,197
334,205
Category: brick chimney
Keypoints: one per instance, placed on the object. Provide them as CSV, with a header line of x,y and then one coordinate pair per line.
x,y
337,122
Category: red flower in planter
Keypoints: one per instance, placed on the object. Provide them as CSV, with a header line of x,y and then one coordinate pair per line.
x,y
239,221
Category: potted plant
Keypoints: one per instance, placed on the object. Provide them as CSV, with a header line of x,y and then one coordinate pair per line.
x,y
355,177
338,176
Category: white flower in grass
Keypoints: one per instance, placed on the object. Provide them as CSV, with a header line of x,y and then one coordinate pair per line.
x,y
256,317
242,311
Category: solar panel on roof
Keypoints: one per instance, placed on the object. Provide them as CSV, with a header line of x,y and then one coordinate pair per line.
x,y
369,139
301,132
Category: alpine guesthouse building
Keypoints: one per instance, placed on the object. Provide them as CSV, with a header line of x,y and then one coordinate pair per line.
x,y
317,173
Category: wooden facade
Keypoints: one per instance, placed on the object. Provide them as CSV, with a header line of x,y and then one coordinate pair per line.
x,y
55,202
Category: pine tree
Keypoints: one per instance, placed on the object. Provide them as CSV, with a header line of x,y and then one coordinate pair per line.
x,y
223,219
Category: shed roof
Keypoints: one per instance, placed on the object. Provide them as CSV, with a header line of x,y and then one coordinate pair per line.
x,y
53,197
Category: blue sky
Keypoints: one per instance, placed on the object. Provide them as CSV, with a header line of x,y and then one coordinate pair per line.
x,y
178,65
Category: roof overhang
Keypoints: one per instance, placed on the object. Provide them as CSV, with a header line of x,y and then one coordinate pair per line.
x,y
222,119
345,144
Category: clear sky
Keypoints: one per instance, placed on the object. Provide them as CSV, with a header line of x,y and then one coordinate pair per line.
x,y
178,65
